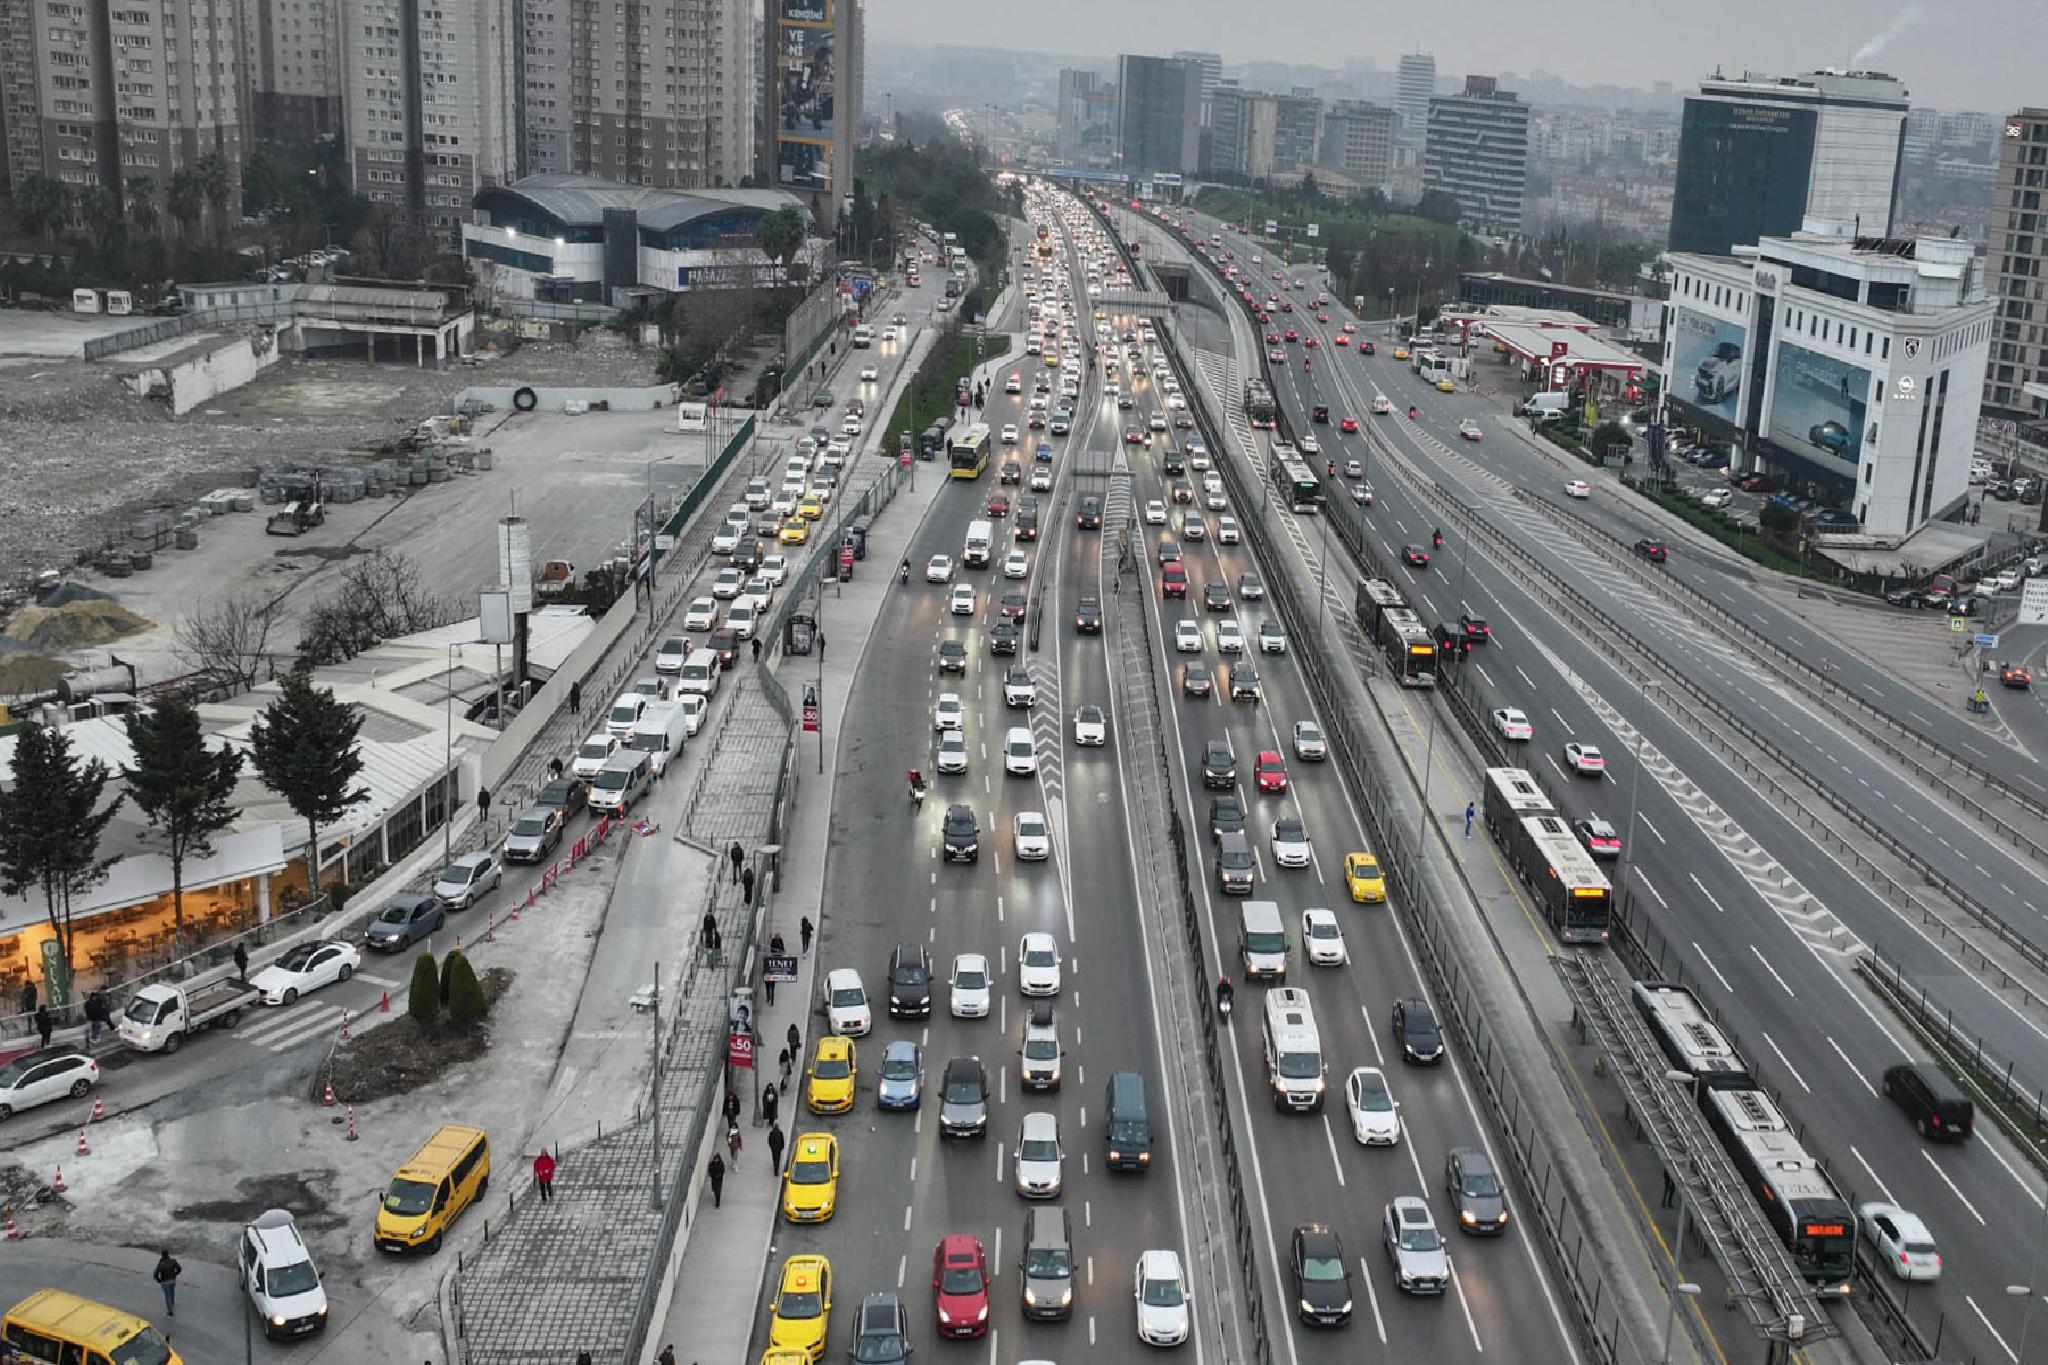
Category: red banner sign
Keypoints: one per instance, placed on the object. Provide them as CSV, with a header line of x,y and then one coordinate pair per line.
x,y
740,1048
810,720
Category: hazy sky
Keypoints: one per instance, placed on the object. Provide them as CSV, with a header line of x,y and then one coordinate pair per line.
x,y
1953,54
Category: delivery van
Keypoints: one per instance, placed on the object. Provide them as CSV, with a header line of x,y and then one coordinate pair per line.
x,y
659,735
54,1326
622,781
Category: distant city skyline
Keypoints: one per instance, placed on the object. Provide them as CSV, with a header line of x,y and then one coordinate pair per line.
x,y
1939,54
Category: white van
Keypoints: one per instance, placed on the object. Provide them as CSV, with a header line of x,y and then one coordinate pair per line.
x,y
1545,407
660,734
699,673
863,337
282,1281
625,714
623,780
1262,941
1294,1051
981,539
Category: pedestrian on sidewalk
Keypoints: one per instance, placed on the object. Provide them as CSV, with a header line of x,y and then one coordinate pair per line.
x,y
803,934
775,1142
717,946
166,1276
732,1106
717,1173
544,1176
710,930
733,1142
756,643
747,888
96,1014
796,1040
785,1060
667,1356
1468,819
44,1025
821,647
738,856
767,986
776,946
242,962
576,698
483,803
771,1100
555,769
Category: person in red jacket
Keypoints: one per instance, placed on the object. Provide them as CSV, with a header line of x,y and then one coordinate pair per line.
x,y
544,1175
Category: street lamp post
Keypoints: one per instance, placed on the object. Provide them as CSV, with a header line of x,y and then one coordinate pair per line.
x,y
1678,1286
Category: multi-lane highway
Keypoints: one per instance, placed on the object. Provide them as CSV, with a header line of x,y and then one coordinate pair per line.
x,y
1765,917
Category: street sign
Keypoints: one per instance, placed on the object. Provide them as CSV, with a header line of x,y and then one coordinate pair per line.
x,y
1985,641
739,1048
1958,624
810,708
2034,602
778,967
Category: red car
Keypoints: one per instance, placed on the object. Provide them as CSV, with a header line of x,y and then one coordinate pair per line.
x,y
1322,317
998,505
1367,348
1340,340
1291,335
1350,424
1173,581
1270,772
1272,338
960,1285
1287,305
1311,342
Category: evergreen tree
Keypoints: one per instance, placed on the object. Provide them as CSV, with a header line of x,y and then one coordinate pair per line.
x,y
304,745
423,997
183,788
464,994
50,826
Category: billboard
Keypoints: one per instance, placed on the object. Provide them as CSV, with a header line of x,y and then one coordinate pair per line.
x,y
1708,363
803,165
1818,405
804,76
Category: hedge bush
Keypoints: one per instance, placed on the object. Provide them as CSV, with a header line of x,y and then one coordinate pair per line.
x,y
423,999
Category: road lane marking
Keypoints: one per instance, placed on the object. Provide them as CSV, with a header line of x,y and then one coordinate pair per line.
x,y
1953,1189
1787,1063
1758,953
1712,968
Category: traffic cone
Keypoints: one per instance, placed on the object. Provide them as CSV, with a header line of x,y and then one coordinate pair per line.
x,y
99,1108
458,943
384,1005
351,1123
328,1098
57,1185
83,1150
13,1232
344,1024
490,926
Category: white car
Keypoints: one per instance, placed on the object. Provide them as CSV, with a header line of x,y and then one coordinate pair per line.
x,y
1193,527
1161,1294
1016,564
1375,1113
1381,404
1155,513
1091,730
740,620
969,987
592,753
1585,759
1272,638
846,1004
786,498
1310,445
1156,423
1009,433
701,615
952,758
1323,938
1903,1242
727,537
694,705
962,603
1038,965
1014,384
727,584
774,570
939,569
1198,457
1229,637
1469,429
1212,494
1309,744
1041,480
870,373
1039,1168
850,426
1717,497
1226,530
669,658
1020,754
1187,637
1290,842
1512,724
949,714
1028,833
307,967
1578,488
39,1077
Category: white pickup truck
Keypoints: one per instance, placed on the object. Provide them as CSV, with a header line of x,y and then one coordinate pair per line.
x,y
158,1017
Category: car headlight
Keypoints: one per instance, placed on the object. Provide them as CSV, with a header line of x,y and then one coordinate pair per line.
x,y
982,1316
278,1319
1468,1218
1321,1085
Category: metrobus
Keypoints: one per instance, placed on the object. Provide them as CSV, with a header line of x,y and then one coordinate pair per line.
x,y
1562,876
1799,1201
1410,649
1259,408
1692,1041
1376,597
968,451
1295,480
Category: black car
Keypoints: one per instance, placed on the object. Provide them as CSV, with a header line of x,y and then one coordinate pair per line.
x,y
1215,597
952,656
1088,616
1322,1280
1225,815
1652,550
910,981
405,921
1322,418
963,1099
1476,630
747,557
1012,472
1219,765
1414,556
1002,638
1599,837
566,794
1176,463
1025,527
1089,518
1194,679
881,1332
961,835
1475,1191
1415,1028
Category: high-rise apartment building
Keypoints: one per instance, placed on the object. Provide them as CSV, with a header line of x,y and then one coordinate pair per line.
x,y
1415,85
1086,133
1757,156
121,96
2016,266
1211,65
290,71
1297,124
1358,141
1477,151
1159,112
813,59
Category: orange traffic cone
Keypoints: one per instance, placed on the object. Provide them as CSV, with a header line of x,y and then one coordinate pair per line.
x,y
344,1023
83,1150
351,1123
13,1233
328,1098
57,1185
384,1005
99,1108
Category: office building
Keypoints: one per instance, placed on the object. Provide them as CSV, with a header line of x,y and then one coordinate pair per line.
x,y
1159,108
1849,368
1297,124
1415,86
291,69
2016,261
1358,142
1086,133
121,98
812,102
1222,142
1757,156
1211,65
1477,151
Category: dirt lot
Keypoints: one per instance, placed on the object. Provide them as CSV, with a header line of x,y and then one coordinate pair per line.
x,y
402,1056
85,456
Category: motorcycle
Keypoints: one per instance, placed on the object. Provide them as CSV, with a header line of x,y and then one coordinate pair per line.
x,y
1225,998
906,571
917,790
1411,413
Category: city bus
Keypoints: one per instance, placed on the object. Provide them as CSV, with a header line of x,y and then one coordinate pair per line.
x,y
1799,1201
1295,480
1410,648
967,452
1692,1041
1562,877
1259,408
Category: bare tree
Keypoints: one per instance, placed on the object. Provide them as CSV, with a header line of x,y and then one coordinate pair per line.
x,y
230,639
381,597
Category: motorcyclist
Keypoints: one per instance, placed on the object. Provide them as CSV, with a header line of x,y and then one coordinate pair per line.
x,y
1411,412
1225,993
916,785
906,571
1436,538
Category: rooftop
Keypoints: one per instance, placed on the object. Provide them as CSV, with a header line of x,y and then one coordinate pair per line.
x,y
581,200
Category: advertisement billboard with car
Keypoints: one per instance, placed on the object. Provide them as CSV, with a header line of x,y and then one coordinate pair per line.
x,y
1818,406
805,94
1707,362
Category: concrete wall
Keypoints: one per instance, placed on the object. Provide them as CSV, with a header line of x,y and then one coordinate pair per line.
x,y
551,399
196,380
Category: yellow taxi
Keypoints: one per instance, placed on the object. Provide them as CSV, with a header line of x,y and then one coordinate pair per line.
x,y
1400,353
828,1081
810,1187
778,1355
1363,878
1446,386
810,507
803,1307
1051,360
794,531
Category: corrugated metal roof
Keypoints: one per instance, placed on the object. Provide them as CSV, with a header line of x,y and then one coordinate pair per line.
x,y
582,199
422,300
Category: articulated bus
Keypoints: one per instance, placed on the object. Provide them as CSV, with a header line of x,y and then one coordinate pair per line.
x,y
1259,408
1562,876
967,452
1295,480
1384,618
1692,1041
1799,1201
